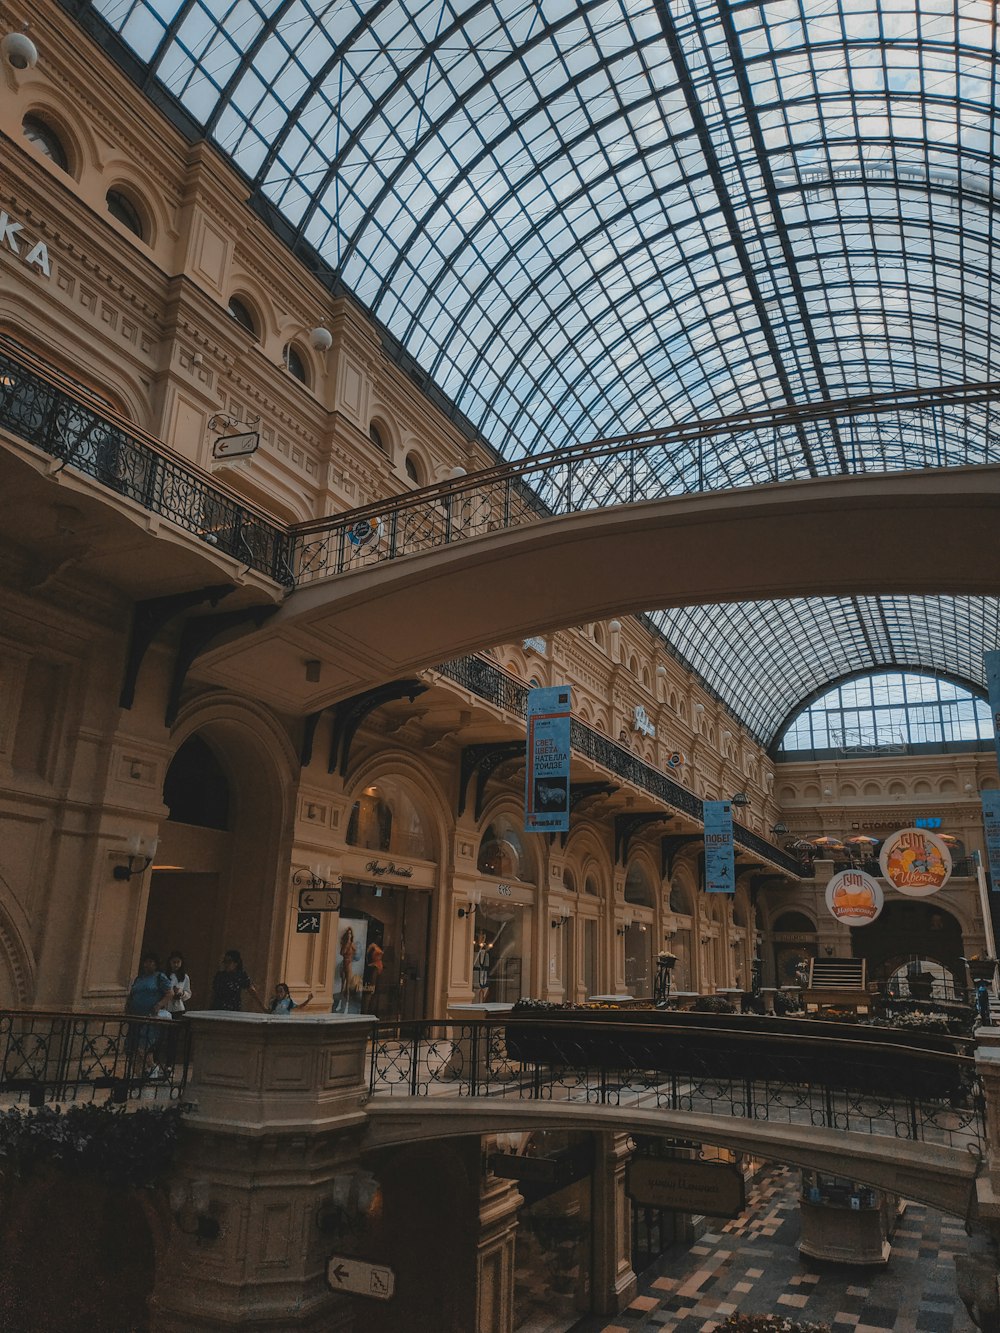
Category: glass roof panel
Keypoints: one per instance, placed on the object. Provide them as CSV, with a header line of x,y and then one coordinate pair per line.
x,y
584,217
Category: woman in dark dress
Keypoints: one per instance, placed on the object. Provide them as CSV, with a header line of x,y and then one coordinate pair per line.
x,y
229,984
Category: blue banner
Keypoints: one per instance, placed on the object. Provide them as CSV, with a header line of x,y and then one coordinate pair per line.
x,y
720,865
991,663
991,830
546,782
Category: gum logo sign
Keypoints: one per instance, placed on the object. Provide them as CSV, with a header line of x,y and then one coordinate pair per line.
x,y
854,898
915,862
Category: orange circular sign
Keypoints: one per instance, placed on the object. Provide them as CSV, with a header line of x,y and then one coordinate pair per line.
x,y
854,898
915,862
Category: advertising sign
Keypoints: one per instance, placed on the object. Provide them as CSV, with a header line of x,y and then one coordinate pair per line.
x,y
713,1189
916,862
720,866
991,665
854,898
546,781
991,829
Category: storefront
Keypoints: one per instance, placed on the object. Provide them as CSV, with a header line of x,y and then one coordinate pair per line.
x,y
505,912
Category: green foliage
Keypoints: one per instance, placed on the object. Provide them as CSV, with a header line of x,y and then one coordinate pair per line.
x,y
117,1146
769,1323
713,1004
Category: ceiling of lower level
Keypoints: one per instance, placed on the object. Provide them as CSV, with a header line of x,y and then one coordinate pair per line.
x,y
581,218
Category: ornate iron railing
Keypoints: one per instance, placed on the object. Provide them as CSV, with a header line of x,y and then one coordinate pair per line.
x,y
619,470
63,1057
940,1102
53,414
496,687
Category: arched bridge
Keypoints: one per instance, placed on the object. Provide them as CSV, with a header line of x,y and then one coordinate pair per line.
x,y
464,577
900,1113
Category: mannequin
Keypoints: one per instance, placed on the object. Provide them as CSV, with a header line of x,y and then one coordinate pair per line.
x,y
481,962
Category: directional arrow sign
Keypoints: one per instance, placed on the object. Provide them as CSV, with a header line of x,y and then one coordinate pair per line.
x,y
360,1277
319,900
307,923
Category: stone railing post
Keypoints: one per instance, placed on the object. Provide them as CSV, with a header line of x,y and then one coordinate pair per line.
x,y
266,1155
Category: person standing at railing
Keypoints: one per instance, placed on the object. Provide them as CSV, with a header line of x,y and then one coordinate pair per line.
x,y
180,985
229,984
282,1002
146,999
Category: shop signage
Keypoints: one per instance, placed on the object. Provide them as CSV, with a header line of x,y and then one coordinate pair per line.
x,y
991,829
319,900
642,722
236,446
504,890
991,665
713,1189
675,760
35,255
360,1277
915,862
720,869
390,868
854,898
546,780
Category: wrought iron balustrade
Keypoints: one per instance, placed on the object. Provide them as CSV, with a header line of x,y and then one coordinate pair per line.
x,y
496,687
53,415
65,1057
941,1103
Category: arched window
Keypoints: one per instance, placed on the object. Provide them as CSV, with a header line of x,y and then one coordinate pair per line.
x,y
502,853
40,133
244,316
414,470
679,901
888,713
385,819
294,364
196,790
375,435
591,886
638,888
569,881
124,211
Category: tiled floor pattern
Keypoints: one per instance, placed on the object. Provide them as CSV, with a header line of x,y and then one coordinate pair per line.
x,y
752,1264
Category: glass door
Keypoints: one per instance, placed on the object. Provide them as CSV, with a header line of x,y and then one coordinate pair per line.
x,y
390,940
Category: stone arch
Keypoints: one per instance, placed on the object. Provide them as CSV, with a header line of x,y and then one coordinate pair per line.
x,y
504,806
872,789
17,964
421,784
897,788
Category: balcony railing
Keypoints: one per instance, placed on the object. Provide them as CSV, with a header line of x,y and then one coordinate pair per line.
x,y
53,414
496,687
65,1057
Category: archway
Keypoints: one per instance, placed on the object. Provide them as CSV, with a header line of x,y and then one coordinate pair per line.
x,y
906,932
213,886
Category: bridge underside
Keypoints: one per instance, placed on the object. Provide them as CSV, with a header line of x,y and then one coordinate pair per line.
x,y
943,1178
926,532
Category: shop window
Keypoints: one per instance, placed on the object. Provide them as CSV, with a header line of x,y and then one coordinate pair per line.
x,y
502,854
40,133
294,364
196,790
638,888
591,978
503,929
124,211
638,960
243,315
385,819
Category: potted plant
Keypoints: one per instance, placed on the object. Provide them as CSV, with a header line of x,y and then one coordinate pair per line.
x,y
920,984
980,968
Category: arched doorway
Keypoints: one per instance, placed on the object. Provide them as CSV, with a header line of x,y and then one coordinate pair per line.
x,y
794,939
212,887
907,932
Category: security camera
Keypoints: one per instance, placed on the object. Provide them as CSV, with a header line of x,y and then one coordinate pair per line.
x,y
19,51
321,339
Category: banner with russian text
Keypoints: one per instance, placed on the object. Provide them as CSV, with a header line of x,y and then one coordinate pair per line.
x,y
991,830
546,782
991,664
720,865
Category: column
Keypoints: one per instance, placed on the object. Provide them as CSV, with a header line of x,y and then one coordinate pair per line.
x,y
615,1283
498,1208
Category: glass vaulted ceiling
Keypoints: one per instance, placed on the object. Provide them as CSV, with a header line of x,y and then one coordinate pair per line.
x,y
582,219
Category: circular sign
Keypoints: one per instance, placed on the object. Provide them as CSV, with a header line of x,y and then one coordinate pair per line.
x,y
675,760
854,898
363,533
915,862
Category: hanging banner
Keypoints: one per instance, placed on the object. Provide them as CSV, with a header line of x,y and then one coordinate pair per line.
x,y
991,666
991,830
854,898
915,862
720,865
546,780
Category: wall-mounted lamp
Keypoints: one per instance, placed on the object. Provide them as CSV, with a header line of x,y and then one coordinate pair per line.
x,y
320,339
190,1202
559,921
139,856
466,911
620,930
352,1194
779,829
740,799
829,951
475,898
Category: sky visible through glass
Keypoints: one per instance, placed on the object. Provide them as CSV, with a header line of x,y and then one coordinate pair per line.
x,y
580,218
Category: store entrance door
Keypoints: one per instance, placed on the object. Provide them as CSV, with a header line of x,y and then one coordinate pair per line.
x,y
396,922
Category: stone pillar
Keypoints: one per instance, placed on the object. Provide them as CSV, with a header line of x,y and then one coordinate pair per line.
x,y
265,1158
615,1283
498,1208
976,1271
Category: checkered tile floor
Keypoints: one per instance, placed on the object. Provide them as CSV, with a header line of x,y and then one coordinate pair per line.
x,y
752,1264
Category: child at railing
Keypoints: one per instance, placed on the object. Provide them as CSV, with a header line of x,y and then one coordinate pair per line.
x,y
282,1003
